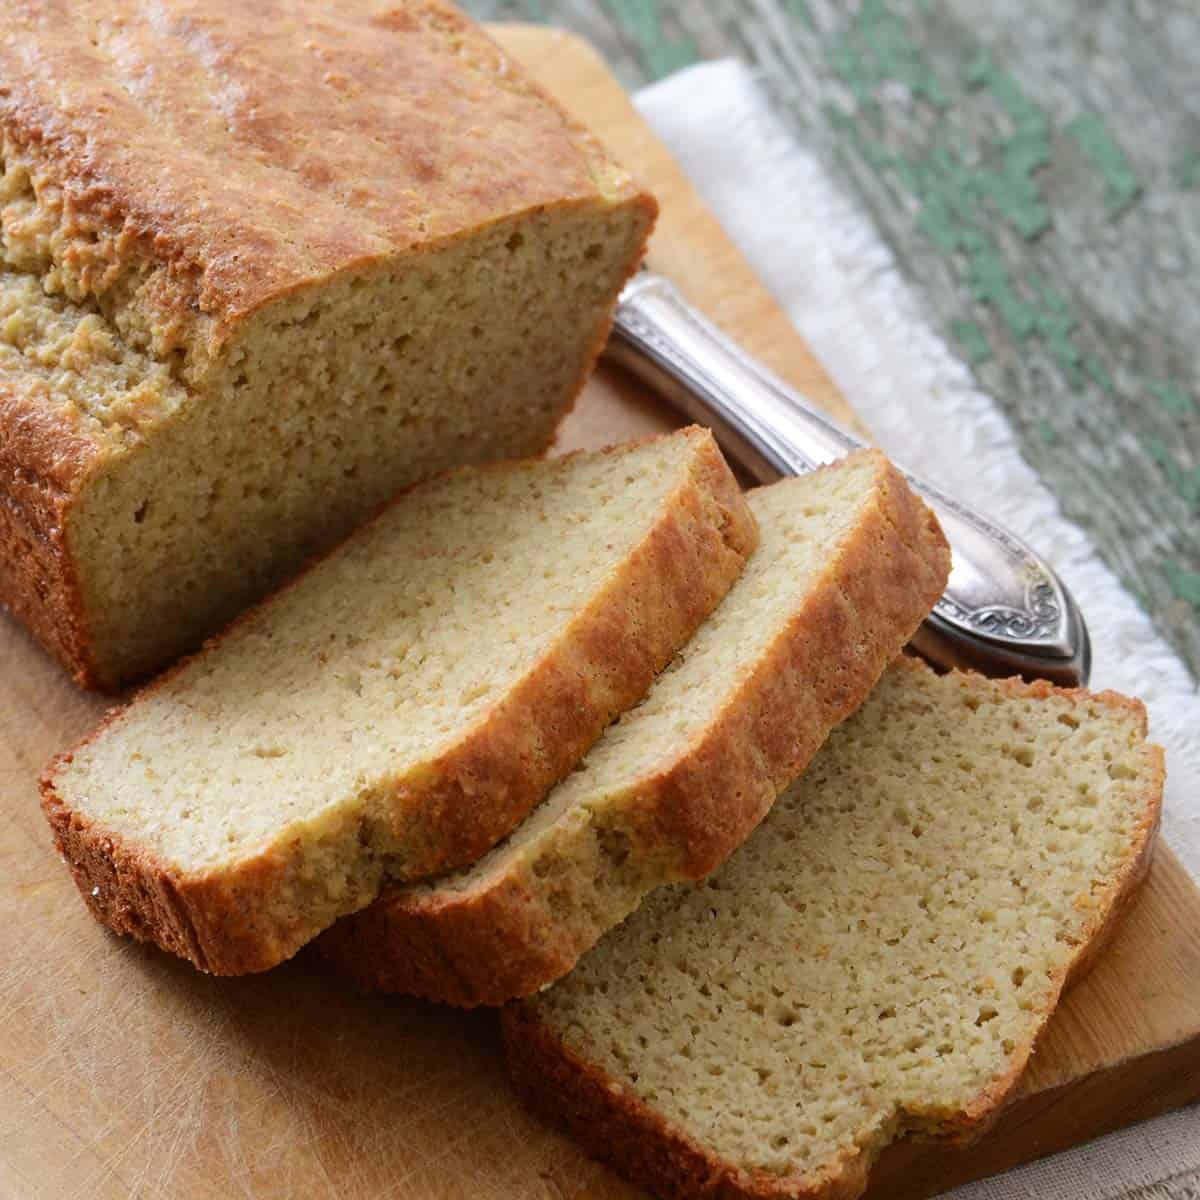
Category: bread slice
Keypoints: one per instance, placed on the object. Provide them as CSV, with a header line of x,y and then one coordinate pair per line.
x,y
848,564
878,958
258,271
400,706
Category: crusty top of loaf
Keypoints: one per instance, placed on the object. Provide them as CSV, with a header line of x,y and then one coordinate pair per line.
x,y
253,148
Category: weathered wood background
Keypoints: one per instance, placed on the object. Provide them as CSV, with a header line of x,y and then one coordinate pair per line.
x,y
1036,170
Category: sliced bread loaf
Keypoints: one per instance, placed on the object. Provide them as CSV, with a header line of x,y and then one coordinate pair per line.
x,y
260,267
848,564
877,959
400,706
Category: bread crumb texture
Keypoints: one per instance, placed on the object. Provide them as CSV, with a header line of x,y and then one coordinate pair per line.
x,y
261,266
877,959
402,704
800,529
848,563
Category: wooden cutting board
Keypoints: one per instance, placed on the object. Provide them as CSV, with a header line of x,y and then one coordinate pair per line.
x,y
125,1073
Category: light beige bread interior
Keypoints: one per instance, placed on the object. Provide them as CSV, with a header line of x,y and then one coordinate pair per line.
x,y
248,292
400,706
849,562
877,959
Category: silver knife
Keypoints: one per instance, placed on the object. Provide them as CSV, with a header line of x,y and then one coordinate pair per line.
x,y
1004,611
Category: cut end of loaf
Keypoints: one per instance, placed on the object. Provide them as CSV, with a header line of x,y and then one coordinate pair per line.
x,y
878,959
330,403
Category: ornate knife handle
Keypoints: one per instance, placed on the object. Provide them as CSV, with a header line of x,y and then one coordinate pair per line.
x,y
1004,610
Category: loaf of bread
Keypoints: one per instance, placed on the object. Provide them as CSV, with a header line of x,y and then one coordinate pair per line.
x,y
400,706
848,564
878,958
261,265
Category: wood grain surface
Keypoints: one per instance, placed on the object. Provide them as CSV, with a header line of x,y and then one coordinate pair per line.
x,y
124,1073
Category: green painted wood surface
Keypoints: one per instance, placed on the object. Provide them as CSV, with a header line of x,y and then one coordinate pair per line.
x,y
1036,170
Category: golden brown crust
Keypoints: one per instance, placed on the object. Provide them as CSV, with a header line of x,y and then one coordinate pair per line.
x,y
474,794
522,930
616,1126
199,172
126,890
248,164
41,460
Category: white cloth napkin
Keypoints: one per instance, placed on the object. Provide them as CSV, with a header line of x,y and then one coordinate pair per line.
x,y
821,257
